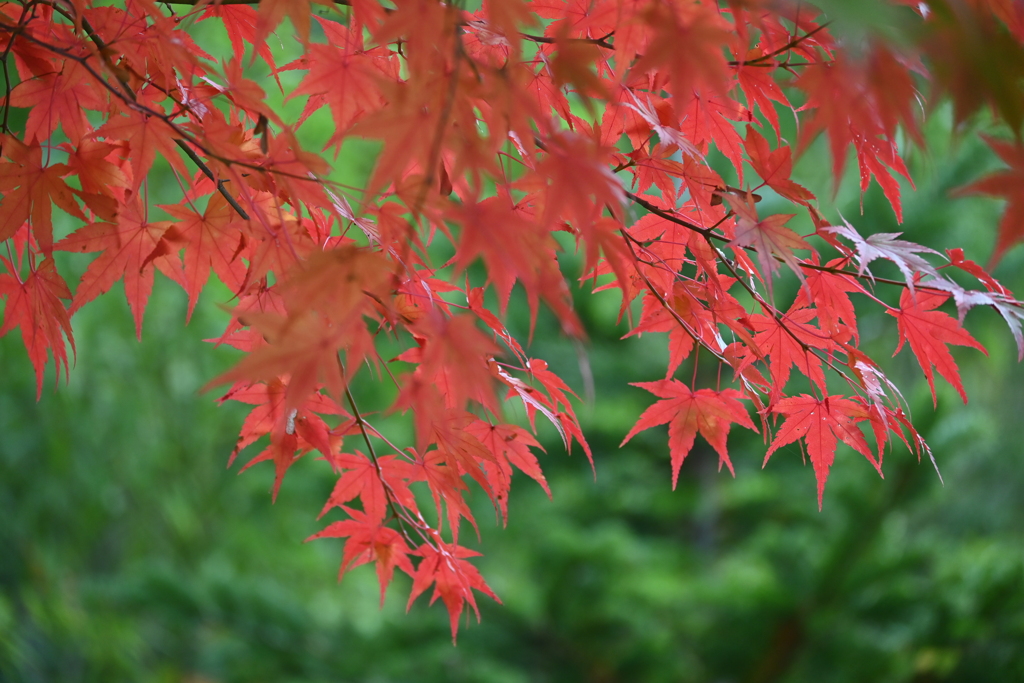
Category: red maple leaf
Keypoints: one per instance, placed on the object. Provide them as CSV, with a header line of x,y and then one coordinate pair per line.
x,y
211,240
446,488
510,445
768,237
688,412
761,89
822,423
828,292
132,247
928,332
789,340
847,106
369,541
59,97
148,137
775,167
709,119
269,415
240,23
1009,185
345,77
374,483
271,12
454,579
34,304
30,189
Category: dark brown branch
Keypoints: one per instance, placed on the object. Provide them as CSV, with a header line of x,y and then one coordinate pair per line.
x,y
785,48
600,42
212,3
707,233
130,94
129,100
209,174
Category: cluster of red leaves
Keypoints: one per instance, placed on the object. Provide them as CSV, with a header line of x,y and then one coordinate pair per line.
x,y
499,129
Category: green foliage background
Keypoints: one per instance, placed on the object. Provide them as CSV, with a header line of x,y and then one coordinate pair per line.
x,y
129,553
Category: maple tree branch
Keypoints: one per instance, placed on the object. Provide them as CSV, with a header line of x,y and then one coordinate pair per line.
x,y
214,3
389,493
128,97
707,233
7,86
629,239
601,42
785,48
232,202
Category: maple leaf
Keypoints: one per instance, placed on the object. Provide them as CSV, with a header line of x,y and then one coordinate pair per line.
x,y
760,89
775,167
132,247
269,415
367,480
512,246
709,119
59,98
455,356
147,136
885,245
768,237
346,79
847,105
453,577
30,190
929,331
789,340
1009,185
688,46
272,12
102,181
34,304
510,445
303,347
435,467
211,240
666,134
369,541
581,184
558,391
240,22
821,423
688,412
828,292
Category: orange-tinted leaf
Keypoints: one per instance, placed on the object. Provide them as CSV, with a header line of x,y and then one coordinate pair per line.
x,y
34,304
30,190
132,247
211,240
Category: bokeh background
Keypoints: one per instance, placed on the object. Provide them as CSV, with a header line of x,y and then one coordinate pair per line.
x,y
128,552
